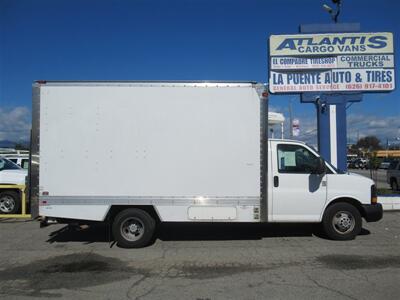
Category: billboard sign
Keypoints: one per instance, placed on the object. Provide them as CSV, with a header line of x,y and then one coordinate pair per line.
x,y
331,62
332,80
331,43
296,127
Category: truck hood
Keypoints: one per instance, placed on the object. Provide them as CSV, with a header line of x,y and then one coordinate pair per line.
x,y
13,176
369,180
350,185
356,174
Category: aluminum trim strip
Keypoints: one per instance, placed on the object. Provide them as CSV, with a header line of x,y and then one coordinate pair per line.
x,y
263,158
137,200
149,83
34,153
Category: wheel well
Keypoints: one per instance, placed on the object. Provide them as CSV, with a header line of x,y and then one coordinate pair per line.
x,y
357,204
116,209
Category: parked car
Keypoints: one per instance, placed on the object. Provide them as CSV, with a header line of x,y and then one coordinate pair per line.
x,y
10,174
349,162
21,160
393,175
384,165
358,163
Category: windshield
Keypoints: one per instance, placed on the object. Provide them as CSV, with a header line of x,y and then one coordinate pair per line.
x,y
6,164
327,162
336,169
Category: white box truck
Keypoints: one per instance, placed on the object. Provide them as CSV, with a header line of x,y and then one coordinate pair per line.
x,y
138,153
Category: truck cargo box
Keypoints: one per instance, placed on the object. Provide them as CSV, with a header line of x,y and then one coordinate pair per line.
x,y
147,142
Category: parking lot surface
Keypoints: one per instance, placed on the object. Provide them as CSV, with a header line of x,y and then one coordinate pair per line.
x,y
200,262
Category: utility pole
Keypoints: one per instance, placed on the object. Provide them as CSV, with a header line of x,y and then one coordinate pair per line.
x,y
387,147
290,119
358,136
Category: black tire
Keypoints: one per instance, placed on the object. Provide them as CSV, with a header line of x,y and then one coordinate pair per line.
x,y
10,202
342,221
133,228
394,185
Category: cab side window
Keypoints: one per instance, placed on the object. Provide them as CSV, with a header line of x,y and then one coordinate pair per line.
x,y
296,159
25,163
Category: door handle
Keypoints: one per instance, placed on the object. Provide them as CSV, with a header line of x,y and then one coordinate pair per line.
x,y
276,181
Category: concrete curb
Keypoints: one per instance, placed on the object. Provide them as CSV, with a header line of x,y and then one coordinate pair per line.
x,y
390,202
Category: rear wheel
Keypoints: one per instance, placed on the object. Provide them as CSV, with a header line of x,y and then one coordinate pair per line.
x,y
10,202
133,228
342,221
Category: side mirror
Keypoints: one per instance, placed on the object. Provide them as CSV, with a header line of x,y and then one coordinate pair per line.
x,y
320,167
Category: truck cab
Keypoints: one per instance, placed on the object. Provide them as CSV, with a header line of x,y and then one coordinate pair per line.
x,y
305,188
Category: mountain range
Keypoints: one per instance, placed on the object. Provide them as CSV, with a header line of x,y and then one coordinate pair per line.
x,y
12,144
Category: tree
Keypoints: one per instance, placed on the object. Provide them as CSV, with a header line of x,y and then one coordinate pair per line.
x,y
20,146
369,143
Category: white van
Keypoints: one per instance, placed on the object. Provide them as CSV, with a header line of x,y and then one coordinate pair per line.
x,y
10,174
21,160
192,152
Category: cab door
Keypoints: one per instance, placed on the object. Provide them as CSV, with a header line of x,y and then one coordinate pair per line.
x,y
298,195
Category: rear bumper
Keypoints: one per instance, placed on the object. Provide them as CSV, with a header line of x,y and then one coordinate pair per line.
x,y
372,212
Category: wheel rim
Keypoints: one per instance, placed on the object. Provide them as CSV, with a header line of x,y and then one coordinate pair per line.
x,y
132,229
343,222
7,204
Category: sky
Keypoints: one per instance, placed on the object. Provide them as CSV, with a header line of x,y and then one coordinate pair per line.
x,y
174,40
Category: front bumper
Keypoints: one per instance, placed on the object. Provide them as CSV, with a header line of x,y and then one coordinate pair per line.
x,y
372,212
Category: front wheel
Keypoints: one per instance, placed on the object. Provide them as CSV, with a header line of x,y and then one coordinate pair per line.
x,y
342,221
9,202
133,228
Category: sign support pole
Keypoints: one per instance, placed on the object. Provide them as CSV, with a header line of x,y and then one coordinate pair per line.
x,y
332,127
331,107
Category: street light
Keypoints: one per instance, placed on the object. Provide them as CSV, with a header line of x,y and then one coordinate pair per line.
x,y
333,12
328,8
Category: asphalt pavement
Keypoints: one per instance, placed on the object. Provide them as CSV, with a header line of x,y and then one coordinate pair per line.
x,y
200,261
